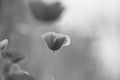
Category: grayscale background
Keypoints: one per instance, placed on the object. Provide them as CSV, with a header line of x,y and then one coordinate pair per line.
x,y
93,26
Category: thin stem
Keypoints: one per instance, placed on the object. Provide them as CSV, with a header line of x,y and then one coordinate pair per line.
x,y
52,69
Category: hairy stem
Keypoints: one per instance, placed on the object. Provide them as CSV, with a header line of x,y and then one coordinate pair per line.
x,y
52,69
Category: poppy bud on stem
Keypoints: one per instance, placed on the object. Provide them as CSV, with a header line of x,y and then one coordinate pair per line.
x,y
55,41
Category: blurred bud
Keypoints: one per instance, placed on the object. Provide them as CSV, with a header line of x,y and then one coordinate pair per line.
x,y
13,55
3,44
15,69
17,74
56,40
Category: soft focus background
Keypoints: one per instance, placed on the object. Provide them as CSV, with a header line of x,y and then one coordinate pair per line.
x,y
93,26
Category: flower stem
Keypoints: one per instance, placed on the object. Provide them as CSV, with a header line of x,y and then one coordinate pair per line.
x,y
52,69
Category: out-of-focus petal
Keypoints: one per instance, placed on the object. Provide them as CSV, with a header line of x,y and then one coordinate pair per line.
x,y
3,44
15,69
19,77
16,73
24,72
13,55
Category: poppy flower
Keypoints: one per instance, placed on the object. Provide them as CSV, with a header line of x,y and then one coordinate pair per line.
x,y
56,40
3,44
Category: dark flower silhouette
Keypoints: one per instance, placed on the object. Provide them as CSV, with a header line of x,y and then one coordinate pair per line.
x,y
45,12
56,40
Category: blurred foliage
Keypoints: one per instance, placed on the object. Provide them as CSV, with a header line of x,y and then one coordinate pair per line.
x,y
11,13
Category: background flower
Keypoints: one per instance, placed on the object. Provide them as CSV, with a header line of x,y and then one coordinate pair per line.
x,y
15,69
13,55
17,74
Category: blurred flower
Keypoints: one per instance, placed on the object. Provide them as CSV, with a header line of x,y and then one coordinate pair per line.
x,y
16,73
15,69
56,40
9,70
13,55
44,12
3,44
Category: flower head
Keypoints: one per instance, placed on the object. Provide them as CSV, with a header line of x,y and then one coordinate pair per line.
x,y
3,44
56,40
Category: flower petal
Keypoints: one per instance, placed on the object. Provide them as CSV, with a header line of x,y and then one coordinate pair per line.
x,y
58,42
14,56
3,44
49,38
14,69
17,74
66,41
